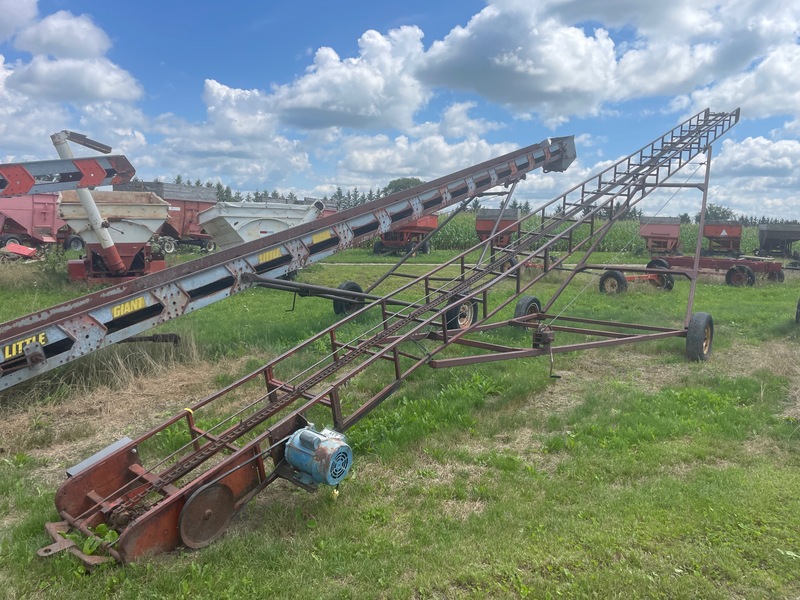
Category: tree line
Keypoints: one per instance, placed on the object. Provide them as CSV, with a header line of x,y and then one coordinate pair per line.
x,y
343,200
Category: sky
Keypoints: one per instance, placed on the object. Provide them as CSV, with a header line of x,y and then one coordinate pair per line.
x,y
310,95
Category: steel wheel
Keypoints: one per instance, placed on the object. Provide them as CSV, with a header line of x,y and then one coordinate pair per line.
x,y
699,337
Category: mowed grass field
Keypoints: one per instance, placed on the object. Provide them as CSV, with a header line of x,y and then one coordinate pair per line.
x,y
636,474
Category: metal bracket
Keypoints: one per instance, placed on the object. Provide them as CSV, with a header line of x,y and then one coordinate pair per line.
x,y
60,543
34,354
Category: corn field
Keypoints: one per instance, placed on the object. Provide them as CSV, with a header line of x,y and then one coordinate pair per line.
x,y
459,234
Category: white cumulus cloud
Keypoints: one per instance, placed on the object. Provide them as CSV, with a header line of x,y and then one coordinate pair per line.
x,y
63,35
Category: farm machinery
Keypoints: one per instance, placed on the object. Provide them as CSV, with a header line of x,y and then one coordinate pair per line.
x,y
33,219
776,239
234,223
66,332
186,202
157,497
722,256
28,191
114,227
408,238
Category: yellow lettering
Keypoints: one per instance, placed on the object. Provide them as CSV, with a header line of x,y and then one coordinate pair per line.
x,y
269,255
15,349
120,310
320,237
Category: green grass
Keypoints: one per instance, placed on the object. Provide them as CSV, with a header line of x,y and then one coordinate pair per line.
x,y
636,475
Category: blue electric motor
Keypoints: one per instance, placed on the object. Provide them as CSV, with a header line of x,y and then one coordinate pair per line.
x,y
319,456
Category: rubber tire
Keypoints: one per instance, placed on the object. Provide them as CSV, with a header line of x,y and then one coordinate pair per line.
x,y
658,263
345,307
508,265
11,239
378,248
699,337
410,247
664,282
613,282
169,246
739,276
74,242
210,246
527,305
458,310
776,276
426,247
797,313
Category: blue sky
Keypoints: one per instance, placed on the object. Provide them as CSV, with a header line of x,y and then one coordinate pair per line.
x,y
306,96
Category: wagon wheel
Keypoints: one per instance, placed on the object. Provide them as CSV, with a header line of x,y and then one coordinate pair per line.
x,y
73,242
739,276
461,313
613,282
663,281
527,305
658,263
508,265
206,515
751,277
699,336
777,276
345,307
169,246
